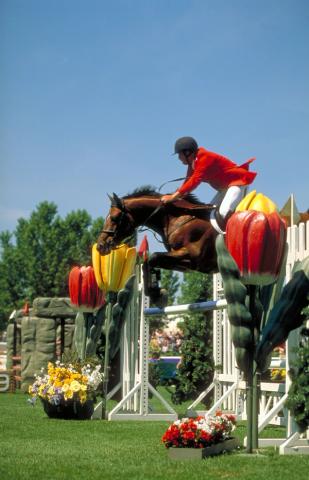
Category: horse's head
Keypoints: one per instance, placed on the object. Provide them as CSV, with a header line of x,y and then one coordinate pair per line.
x,y
118,226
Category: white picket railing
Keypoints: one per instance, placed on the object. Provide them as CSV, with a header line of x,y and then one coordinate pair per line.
x,y
227,385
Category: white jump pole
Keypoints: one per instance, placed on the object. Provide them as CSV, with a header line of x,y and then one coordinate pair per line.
x,y
187,308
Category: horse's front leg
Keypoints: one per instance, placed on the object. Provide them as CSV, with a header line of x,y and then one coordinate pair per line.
x,y
170,261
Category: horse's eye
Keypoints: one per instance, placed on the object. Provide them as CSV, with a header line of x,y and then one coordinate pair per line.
x,y
115,219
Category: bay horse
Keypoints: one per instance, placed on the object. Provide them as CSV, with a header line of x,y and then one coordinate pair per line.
x,y
184,226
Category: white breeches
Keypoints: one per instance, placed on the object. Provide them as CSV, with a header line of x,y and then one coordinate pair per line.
x,y
227,200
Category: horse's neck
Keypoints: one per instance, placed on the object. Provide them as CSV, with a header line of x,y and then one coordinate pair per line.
x,y
144,212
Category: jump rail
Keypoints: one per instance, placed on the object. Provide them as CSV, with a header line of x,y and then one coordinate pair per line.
x,y
189,307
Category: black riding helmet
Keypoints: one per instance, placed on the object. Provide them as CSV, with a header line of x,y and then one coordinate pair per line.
x,y
185,144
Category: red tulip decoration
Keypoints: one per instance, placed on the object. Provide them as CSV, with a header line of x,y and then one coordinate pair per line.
x,y
86,296
84,291
256,238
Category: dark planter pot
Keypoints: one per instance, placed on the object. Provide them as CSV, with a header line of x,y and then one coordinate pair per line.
x,y
200,453
71,410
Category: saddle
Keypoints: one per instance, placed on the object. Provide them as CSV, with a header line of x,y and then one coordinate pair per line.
x,y
199,210
204,211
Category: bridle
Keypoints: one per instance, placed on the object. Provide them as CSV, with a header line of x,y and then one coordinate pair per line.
x,y
123,215
113,233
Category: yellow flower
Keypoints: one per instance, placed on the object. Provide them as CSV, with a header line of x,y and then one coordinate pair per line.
x,y
50,391
82,397
69,394
65,387
83,388
75,386
41,389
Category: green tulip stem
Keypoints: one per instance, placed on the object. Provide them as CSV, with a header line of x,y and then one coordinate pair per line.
x,y
111,300
249,402
255,408
252,387
86,327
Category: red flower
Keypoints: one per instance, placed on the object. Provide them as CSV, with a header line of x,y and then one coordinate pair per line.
x,y
205,436
231,418
188,435
184,427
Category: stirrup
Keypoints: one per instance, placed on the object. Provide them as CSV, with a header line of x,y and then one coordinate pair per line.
x,y
221,221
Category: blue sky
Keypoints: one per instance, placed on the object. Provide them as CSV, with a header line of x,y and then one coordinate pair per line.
x,y
94,93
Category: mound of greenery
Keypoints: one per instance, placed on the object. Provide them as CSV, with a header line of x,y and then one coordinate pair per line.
x,y
298,397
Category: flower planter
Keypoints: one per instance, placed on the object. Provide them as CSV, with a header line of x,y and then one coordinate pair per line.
x,y
71,410
200,453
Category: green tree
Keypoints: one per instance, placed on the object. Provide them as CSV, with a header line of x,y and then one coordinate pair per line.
x,y
195,372
170,282
37,258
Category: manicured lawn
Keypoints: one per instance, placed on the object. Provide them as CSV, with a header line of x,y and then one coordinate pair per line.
x,y
33,446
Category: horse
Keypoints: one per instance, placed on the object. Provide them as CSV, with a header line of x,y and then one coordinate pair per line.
x,y
184,226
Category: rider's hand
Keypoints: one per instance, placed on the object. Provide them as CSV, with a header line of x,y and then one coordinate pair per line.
x,y
170,198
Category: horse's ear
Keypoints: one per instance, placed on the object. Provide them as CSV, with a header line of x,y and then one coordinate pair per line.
x,y
111,198
117,202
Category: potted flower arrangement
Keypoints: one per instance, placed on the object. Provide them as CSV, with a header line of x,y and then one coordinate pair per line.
x,y
201,436
67,390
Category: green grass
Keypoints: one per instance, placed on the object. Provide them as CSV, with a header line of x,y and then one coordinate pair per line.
x,y
33,446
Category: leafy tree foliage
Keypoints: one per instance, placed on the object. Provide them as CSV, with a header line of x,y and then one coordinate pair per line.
x,y
170,282
36,259
298,396
195,372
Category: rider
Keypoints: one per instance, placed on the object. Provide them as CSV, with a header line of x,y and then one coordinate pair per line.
x,y
221,173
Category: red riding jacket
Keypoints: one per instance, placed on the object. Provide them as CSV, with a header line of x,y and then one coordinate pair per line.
x,y
218,171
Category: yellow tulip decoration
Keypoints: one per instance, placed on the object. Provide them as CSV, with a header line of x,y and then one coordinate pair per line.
x,y
112,273
258,202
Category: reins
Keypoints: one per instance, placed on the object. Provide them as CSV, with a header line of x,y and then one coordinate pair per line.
x,y
171,181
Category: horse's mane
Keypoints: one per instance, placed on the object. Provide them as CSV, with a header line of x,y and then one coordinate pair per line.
x,y
143,191
150,191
